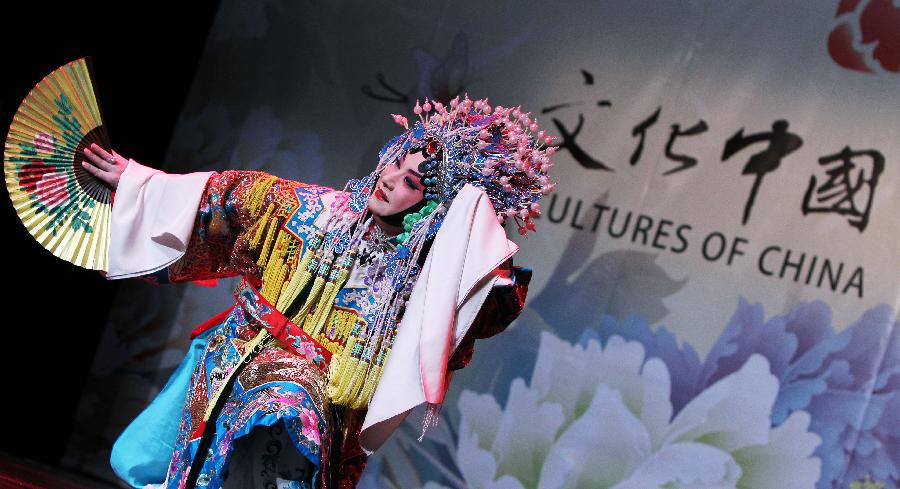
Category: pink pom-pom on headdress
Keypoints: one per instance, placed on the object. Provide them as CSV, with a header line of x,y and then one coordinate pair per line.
x,y
399,119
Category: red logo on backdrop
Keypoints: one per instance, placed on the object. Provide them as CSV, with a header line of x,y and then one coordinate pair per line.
x,y
867,36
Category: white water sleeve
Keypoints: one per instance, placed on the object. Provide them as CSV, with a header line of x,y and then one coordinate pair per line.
x,y
152,217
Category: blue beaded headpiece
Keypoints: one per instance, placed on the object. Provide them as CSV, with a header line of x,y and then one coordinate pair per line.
x,y
500,150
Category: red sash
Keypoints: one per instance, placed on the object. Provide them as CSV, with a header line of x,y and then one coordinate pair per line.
x,y
289,334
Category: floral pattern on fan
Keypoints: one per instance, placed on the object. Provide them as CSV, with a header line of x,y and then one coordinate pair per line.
x,y
49,187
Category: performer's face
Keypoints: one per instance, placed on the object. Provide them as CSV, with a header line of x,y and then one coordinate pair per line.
x,y
399,187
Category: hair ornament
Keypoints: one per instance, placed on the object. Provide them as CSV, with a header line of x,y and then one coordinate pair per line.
x,y
500,149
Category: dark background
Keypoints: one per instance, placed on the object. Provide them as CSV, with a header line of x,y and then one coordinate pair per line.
x,y
144,57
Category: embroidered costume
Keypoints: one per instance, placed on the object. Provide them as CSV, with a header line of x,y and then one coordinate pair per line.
x,y
337,331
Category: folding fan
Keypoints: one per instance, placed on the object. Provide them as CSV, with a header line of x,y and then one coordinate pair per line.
x,y
64,207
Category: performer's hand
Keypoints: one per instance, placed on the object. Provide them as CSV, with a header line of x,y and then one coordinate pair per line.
x,y
105,165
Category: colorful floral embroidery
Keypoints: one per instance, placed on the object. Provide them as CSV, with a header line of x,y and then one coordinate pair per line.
x,y
285,382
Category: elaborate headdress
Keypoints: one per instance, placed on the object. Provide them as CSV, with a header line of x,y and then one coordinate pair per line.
x,y
500,150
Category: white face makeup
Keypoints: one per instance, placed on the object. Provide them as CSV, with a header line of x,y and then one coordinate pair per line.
x,y
398,187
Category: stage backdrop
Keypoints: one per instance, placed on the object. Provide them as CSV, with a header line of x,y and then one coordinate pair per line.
x,y
716,279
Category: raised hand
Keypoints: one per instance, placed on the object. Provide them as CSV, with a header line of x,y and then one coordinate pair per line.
x,y
105,165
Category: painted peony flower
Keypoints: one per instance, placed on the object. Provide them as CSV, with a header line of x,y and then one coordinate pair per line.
x,y
602,417
52,189
849,382
44,142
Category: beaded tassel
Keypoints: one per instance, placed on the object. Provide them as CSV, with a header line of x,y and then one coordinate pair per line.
x,y
354,376
255,200
373,375
324,266
277,266
280,270
301,275
289,255
340,321
267,248
264,223
257,194
336,280
343,366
